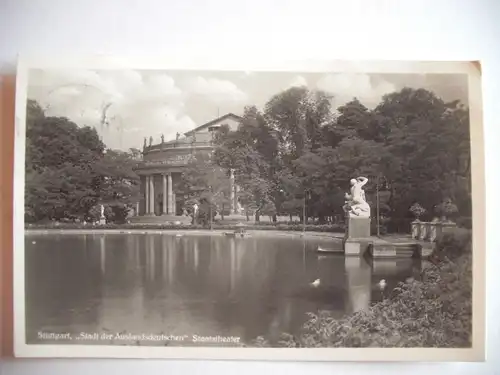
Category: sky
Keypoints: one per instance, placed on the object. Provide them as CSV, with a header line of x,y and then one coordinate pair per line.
x,y
151,103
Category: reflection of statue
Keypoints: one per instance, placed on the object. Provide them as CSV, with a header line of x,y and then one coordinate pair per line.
x,y
195,213
356,204
150,141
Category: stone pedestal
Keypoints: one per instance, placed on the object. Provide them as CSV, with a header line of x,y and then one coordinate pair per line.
x,y
423,235
415,229
358,227
356,247
356,239
102,220
433,232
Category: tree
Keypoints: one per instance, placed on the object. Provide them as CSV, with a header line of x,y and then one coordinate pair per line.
x,y
251,151
68,172
203,180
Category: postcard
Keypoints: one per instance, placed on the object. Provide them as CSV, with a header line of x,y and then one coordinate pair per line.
x,y
301,210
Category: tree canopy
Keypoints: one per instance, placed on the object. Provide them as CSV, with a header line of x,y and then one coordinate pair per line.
x,y
68,170
412,145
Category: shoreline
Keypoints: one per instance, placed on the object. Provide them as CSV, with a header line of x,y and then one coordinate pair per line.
x,y
197,232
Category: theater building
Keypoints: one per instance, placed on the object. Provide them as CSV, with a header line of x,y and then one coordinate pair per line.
x,y
161,167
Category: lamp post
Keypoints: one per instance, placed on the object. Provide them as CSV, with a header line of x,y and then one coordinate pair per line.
x,y
378,206
304,211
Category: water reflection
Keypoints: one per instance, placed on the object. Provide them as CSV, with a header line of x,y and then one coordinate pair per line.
x,y
102,250
358,282
192,284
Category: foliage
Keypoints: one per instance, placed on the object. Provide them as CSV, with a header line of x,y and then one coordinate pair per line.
x,y
296,145
202,180
454,243
464,222
251,151
434,311
68,170
206,213
416,143
447,208
417,210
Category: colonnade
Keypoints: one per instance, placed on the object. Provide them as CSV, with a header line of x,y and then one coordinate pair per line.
x,y
168,201
167,196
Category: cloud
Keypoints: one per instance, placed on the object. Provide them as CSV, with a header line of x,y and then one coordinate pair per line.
x,y
345,87
298,81
160,120
217,90
139,103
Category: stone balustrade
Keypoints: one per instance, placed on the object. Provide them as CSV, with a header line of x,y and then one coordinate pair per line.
x,y
430,231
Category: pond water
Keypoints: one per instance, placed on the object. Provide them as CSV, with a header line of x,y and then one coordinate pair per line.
x,y
135,284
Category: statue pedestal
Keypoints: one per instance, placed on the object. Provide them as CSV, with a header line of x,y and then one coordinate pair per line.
x,y
102,221
358,227
357,236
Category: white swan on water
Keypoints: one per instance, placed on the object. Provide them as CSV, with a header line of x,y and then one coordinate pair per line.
x,y
315,283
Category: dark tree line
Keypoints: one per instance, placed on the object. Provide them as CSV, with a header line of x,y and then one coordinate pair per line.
x,y
413,145
69,173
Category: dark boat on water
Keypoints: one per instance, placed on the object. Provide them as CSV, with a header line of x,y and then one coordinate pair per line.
x,y
323,250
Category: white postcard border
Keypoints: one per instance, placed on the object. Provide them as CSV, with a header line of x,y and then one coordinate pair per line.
x,y
476,353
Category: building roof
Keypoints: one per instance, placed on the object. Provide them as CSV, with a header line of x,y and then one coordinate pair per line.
x,y
228,115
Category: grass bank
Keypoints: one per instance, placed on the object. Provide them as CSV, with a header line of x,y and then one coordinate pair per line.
x,y
435,311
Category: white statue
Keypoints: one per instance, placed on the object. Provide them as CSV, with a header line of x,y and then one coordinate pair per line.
x,y
102,211
356,204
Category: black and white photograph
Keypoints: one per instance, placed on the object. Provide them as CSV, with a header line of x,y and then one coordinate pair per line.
x,y
327,213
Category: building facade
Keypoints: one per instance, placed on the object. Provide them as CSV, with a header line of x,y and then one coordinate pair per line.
x,y
163,163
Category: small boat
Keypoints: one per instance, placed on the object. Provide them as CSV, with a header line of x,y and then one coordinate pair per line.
x,y
323,250
237,234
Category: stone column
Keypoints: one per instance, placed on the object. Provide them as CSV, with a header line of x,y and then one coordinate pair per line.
x,y
231,190
169,194
152,195
415,229
137,207
423,232
164,210
146,201
174,204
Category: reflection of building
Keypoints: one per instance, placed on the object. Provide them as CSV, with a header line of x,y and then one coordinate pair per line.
x,y
164,162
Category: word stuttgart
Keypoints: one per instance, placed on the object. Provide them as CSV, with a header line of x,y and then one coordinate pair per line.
x,y
54,336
